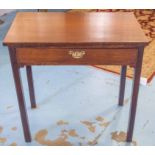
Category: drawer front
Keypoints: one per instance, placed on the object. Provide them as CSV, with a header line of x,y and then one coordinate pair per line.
x,y
51,56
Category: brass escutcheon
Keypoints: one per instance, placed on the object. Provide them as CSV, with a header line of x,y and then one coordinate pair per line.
x,y
77,54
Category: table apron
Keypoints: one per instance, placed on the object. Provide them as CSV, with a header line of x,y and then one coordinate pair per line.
x,y
56,56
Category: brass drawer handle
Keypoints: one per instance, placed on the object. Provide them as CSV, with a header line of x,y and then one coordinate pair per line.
x,y
77,54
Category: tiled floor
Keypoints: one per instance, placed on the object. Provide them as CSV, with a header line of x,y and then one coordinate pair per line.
x,y
77,105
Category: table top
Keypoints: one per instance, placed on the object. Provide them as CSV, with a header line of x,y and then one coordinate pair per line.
x,y
68,28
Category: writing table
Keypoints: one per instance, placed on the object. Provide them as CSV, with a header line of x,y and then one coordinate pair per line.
x,y
75,39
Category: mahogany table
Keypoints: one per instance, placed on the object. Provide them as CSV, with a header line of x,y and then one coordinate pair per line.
x,y
75,39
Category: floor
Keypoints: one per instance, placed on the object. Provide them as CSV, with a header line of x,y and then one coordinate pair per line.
x,y
76,105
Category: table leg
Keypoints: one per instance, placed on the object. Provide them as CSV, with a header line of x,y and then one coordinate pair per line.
x,y
135,91
31,86
20,96
122,85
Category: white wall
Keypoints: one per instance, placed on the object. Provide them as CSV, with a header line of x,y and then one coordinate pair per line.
x,y
3,11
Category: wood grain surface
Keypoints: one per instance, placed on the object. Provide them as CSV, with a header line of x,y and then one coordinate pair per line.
x,y
57,28
52,56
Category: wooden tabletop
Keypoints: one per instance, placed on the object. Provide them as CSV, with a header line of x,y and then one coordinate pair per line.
x,y
68,28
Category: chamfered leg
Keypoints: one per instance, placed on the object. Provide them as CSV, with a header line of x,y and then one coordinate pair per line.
x,y
31,86
134,98
122,85
20,96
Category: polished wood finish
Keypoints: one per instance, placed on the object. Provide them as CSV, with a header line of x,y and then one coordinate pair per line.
x,y
37,56
135,91
20,96
58,28
122,85
31,87
75,39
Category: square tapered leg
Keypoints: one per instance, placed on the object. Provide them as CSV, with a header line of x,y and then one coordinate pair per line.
x,y
122,85
31,86
135,91
20,95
